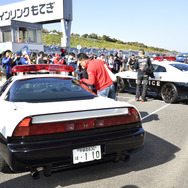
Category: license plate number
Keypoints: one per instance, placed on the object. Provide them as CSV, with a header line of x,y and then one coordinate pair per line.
x,y
86,154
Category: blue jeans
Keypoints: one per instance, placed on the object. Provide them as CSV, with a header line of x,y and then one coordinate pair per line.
x,y
109,92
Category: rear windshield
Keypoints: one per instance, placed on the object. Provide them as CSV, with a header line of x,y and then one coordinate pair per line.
x,y
48,90
181,67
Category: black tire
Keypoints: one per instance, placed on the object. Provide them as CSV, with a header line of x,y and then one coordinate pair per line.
x,y
169,93
3,166
120,85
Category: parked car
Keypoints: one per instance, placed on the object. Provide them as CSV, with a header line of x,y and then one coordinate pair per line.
x,y
170,82
52,121
181,57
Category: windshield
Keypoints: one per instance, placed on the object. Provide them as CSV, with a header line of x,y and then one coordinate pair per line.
x,y
181,67
48,90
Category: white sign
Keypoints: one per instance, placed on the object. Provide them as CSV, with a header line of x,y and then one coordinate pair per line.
x,y
36,11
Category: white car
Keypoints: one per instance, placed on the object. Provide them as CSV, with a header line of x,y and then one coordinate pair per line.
x,y
170,82
50,122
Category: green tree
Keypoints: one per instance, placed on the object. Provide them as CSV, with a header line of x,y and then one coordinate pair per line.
x,y
119,42
45,31
93,36
106,38
85,36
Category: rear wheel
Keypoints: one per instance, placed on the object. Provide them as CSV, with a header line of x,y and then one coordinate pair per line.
x,y
169,93
120,85
3,166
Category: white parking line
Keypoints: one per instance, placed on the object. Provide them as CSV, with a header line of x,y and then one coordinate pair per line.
x,y
155,111
133,99
124,97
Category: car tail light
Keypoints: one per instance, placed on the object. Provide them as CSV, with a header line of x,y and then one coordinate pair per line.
x,y
23,127
26,128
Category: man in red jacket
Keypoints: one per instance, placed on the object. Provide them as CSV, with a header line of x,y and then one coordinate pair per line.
x,y
57,59
97,75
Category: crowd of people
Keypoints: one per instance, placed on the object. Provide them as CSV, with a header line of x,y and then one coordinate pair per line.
x,y
99,82
90,70
8,60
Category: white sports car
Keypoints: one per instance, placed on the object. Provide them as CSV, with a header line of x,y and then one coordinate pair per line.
x,y
50,122
170,82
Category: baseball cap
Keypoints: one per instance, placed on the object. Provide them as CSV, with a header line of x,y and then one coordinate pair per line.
x,y
24,53
19,53
57,55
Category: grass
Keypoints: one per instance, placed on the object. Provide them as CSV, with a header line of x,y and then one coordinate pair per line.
x,y
56,39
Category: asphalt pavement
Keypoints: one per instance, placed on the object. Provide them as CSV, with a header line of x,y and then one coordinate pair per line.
x,y
162,163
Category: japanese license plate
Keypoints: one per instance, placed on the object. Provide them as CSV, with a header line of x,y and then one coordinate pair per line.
x,y
86,154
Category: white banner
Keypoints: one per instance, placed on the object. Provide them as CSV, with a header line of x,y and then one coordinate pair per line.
x,y
35,11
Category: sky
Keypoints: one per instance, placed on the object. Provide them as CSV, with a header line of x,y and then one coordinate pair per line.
x,y
158,23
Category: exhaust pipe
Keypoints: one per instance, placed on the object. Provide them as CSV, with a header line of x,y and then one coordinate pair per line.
x,y
124,157
35,174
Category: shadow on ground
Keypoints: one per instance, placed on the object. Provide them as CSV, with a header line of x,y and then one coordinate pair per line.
x,y
156,152
152,117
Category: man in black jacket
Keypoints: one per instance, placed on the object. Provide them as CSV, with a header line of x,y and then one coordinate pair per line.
x,y
144,67
131,62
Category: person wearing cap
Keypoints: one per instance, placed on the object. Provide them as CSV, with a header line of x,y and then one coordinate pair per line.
x,y
17,59
7,63
20,40
57,59
26,58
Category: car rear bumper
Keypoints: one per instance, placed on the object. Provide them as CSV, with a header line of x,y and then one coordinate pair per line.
x,y
58,153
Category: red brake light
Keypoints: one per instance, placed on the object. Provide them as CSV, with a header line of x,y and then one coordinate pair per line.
x,y
23,127
38,67
26,128
25,122
134,116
